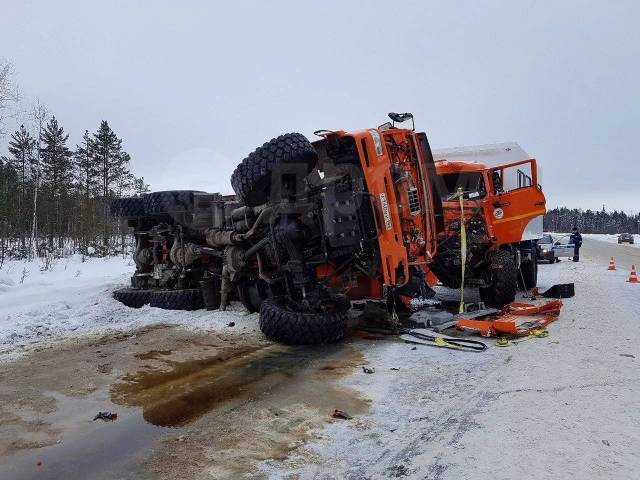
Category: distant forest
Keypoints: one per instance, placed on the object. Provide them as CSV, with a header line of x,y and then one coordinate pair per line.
x,y
54,197
564,219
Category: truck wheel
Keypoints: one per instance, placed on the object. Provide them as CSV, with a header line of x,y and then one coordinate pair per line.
x,y
188,299
503,278
280,322
528,276
170,201
251,179
127,207
252,292
132,297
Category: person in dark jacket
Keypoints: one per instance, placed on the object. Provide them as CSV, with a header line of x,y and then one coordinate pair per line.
x,y
576,239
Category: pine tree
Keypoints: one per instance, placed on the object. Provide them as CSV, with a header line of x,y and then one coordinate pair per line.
x,y
8,181
21,147
88,179
107,151
112,164
87,170
57,172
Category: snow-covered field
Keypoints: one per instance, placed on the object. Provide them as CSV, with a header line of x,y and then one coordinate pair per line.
x,y
73,298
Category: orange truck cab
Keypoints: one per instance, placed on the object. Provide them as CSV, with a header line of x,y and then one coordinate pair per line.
x,y
502,207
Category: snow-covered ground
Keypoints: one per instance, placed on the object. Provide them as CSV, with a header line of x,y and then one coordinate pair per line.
x,y
565,406
73,298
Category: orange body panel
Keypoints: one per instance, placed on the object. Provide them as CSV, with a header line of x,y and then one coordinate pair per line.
x,y
405,237
377,173
516,319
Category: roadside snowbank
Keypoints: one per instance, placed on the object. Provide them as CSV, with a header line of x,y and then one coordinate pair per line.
x,y
74,298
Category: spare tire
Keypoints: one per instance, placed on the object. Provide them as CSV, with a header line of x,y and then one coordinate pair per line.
x,y
251,180
282,323
187,299
127,207
170,201
132,297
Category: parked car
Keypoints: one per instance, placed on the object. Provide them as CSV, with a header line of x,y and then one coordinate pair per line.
x,y
625,238
545,249
551,249
562,248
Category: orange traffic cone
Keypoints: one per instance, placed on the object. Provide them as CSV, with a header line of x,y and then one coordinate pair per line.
x,y
633,276
612,264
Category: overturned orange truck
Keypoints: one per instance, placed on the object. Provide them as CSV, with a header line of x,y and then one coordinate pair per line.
x,y
352,215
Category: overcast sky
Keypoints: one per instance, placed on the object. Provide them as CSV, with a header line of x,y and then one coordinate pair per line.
x,y
192,87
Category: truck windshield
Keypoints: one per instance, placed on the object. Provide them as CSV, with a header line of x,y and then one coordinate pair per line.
x,y
472,184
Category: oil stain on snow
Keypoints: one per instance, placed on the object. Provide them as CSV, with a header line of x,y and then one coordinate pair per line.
x,y
237,404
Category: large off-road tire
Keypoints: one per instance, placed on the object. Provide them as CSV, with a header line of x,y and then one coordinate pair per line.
x,y
252,292
132,297
187,299
251,180
282,323
127,207
170,201
503,278
528,275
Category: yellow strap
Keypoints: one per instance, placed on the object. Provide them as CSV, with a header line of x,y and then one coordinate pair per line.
x,y
463,248
539,333
441,342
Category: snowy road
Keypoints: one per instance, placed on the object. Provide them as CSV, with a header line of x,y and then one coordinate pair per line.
x,y
601,251
565,406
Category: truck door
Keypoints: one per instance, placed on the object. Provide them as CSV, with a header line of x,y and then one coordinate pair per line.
x,y
434,215
519,202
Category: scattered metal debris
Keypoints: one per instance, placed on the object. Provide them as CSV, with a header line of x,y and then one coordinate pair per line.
x,y
106,416
340,414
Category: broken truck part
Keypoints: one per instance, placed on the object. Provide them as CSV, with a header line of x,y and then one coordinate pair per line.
x,y
516,319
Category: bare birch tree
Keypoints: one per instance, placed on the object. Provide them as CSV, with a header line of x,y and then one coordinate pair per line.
x,y
9,94
39,116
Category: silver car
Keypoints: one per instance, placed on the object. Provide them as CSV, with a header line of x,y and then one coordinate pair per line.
x,y
562,248
551,249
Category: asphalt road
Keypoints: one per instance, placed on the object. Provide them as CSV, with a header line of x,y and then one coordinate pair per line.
x,y
601,252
